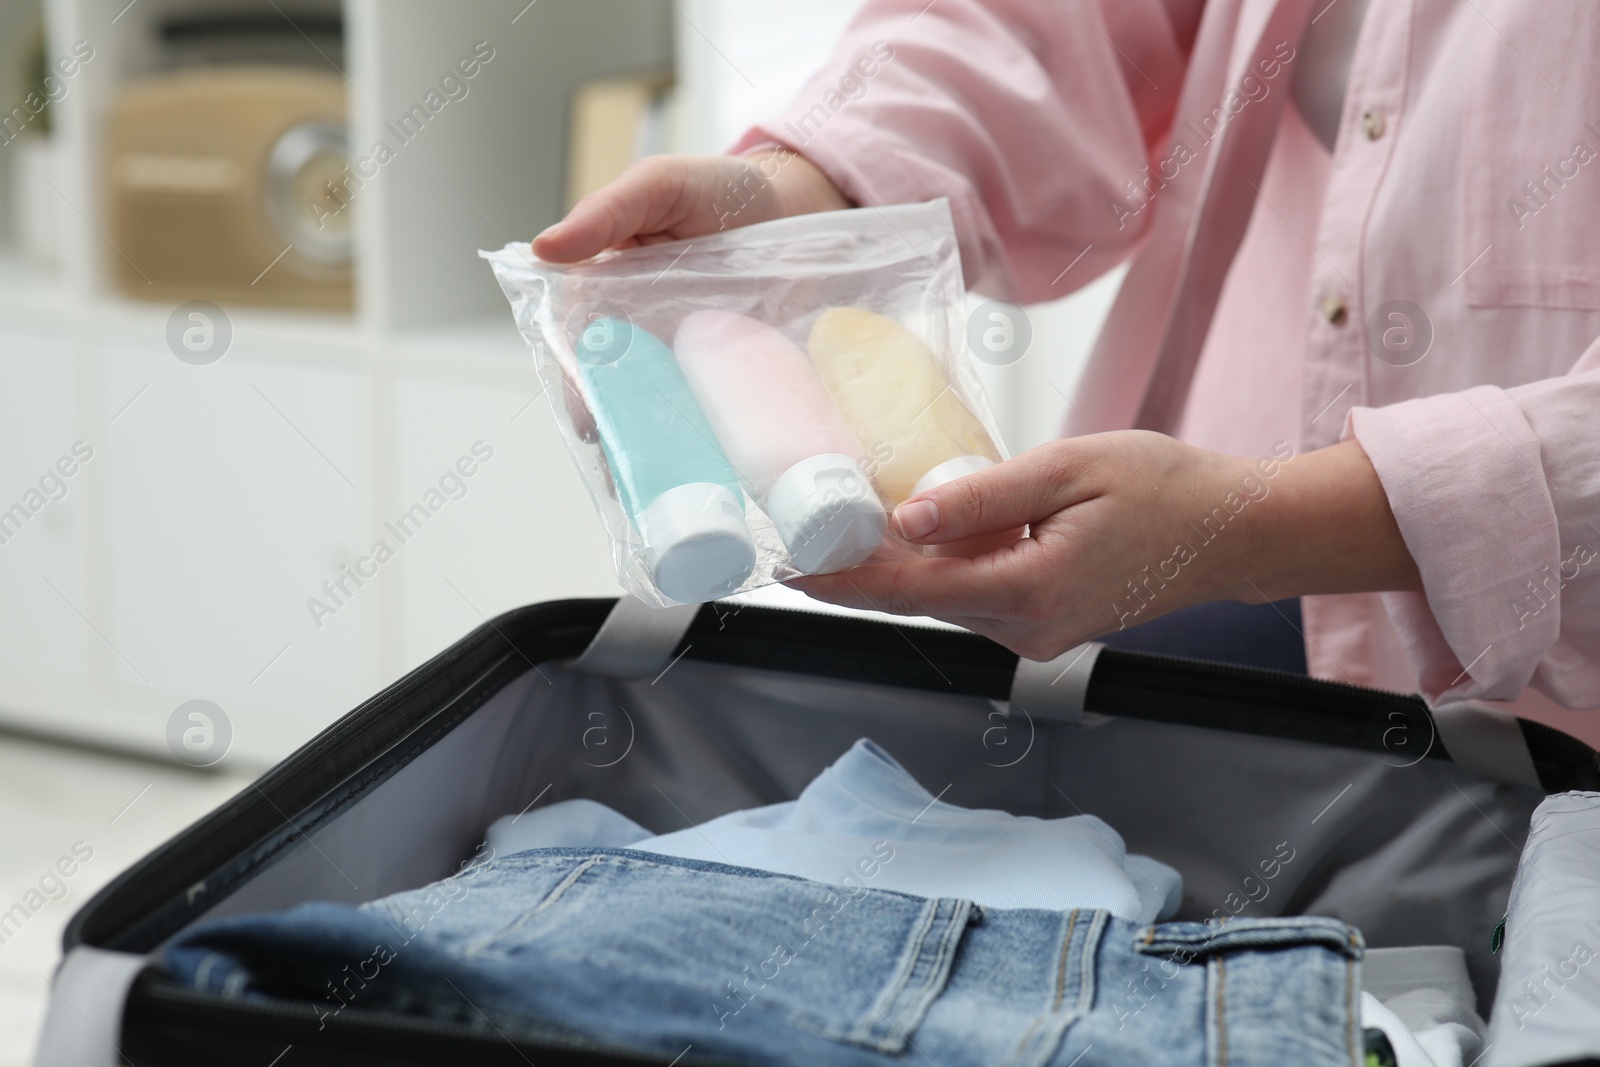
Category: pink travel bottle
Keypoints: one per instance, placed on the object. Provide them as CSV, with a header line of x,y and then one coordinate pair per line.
x,y
785,438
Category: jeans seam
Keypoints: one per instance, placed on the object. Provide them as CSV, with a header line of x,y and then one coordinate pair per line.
x,y
1087,952
1042,1040
1055,1000
870,1030
1061,964
868,1035
905,1000
1087,964
1222,1012
550,898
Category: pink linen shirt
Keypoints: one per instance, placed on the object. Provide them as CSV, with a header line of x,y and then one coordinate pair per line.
x,y
1431,288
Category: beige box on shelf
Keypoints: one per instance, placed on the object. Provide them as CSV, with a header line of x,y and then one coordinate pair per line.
x,y
229,184
614,121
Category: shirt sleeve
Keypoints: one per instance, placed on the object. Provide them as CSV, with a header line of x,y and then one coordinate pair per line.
x,y
1497,494
1035,118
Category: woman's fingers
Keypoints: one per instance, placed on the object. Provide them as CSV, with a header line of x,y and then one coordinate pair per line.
x,y
990,586
661,198
1007,602
670,198
1101,510
648,198
587,229
1004,497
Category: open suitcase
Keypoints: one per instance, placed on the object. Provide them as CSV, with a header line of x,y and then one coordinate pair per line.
x,y
1407,823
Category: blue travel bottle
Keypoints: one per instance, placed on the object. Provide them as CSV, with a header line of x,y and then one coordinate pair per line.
x,y
678,488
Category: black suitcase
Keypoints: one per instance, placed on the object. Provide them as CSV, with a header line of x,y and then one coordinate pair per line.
x,y
1405,822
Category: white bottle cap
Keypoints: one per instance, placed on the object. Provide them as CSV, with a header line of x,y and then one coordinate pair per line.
x,y
949,471
696,543
827,513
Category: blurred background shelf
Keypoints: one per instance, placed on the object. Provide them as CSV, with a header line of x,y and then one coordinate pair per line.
x,y
186,558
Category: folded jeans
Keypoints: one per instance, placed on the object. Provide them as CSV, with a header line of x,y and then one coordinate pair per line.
x,y
656,954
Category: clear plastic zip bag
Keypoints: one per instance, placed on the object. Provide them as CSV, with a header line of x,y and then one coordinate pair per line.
x,y
750,406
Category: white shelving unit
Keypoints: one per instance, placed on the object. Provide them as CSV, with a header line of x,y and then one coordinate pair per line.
x,y
219,498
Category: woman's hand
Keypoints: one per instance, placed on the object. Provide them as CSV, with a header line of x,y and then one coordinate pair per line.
x,y
667,198
1128,526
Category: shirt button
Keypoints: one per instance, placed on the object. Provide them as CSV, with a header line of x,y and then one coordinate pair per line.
x,y
1372,125
1334,310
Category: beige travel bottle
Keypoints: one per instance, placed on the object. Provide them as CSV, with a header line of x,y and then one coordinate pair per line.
x,y
896,398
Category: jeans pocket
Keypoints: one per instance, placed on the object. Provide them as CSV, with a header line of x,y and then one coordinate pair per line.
x,y
1277,991
741,947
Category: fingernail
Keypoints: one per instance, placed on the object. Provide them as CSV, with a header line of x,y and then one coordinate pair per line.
x,y
917,519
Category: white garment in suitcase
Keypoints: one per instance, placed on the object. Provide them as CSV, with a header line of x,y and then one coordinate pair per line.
x,y
1545,1009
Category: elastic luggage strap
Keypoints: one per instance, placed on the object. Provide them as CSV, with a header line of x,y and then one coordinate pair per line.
x,y
1055,689
636,640
84,1021
1486,741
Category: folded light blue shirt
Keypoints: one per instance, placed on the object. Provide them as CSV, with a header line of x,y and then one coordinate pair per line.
x,y
865,820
